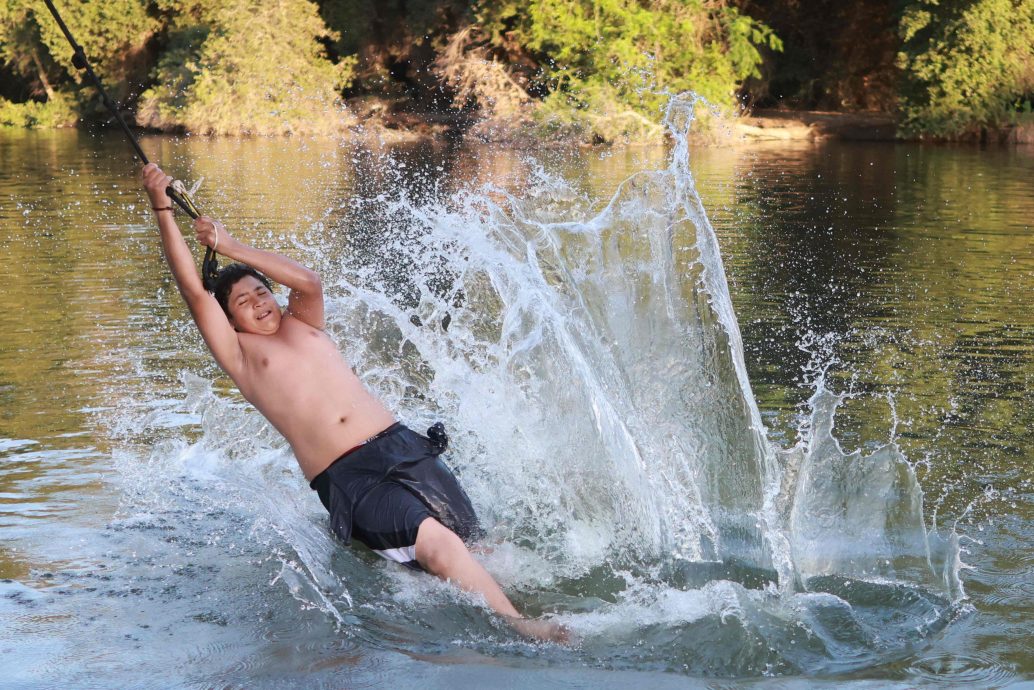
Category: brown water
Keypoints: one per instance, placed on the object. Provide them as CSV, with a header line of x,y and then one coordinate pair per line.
x,y
905,270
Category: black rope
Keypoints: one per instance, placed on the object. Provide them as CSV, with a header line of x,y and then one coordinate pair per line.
x,y
209,265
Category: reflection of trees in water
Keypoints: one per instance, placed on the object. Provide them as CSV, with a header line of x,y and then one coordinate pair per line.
x,y
917,260
61,257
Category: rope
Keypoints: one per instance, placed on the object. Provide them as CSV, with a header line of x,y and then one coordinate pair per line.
x,y
176,191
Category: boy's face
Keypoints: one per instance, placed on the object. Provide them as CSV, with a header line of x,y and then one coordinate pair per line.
x,y
252,307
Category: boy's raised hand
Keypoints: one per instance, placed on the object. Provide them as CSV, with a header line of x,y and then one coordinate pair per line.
x,y
212,233
156,182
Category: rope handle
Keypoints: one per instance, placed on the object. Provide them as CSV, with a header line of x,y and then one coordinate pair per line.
x,y
178,192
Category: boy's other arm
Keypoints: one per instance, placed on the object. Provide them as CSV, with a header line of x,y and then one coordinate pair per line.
x,y
208,315
306,299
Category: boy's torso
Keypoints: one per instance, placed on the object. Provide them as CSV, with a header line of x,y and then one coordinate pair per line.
x,y
300,382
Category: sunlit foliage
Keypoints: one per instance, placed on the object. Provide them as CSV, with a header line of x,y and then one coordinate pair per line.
x,y
596,70
965,64
33,49
607,65
248,67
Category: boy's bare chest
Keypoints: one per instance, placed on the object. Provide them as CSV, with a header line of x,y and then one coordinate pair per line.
x,y
290,357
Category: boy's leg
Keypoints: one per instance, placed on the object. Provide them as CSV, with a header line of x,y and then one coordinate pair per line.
x,y
440,552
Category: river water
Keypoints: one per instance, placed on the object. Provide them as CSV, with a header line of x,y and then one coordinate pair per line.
x,y
736,417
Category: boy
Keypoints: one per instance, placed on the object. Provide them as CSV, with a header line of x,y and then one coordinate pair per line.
x,y
380,481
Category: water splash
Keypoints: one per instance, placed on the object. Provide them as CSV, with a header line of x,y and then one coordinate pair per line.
x,y
591,373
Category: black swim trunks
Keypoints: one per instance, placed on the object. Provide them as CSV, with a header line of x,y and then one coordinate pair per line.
x,y
381,491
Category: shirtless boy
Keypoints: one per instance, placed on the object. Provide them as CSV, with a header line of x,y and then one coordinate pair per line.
x,y
381,482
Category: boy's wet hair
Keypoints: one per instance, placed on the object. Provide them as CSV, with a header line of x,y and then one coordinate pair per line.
x,y
228,277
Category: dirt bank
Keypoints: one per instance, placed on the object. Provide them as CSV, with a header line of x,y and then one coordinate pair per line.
x,y
811,125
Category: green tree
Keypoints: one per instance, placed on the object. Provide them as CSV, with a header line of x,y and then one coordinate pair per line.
x,y
965,64
608,65
247,67
34,51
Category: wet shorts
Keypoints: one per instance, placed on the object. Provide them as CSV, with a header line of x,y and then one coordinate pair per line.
x,y
381,491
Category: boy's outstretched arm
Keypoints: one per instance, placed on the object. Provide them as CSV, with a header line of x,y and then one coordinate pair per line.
x,y
177,254
306,299
208,315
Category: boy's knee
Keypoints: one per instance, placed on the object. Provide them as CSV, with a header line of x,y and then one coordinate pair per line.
x,y
437,546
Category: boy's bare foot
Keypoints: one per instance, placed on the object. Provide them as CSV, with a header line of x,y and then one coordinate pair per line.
x,y
542,630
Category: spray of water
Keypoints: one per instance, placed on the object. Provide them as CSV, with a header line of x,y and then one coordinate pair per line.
x,y
591,373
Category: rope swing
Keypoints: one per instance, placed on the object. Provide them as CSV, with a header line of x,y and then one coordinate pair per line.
x,y
176,191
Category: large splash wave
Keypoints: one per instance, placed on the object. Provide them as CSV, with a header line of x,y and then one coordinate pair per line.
x,y
592,375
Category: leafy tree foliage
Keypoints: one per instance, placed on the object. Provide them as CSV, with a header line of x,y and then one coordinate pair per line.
x,y
113,33
247,67
965,64
38,57
607,65
56,112
597,69
395,43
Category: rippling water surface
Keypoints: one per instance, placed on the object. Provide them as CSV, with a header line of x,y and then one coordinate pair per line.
x,y
674,480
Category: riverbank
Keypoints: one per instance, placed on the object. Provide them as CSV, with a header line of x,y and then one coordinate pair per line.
x,y
386,121
390,121
797,125
378,119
